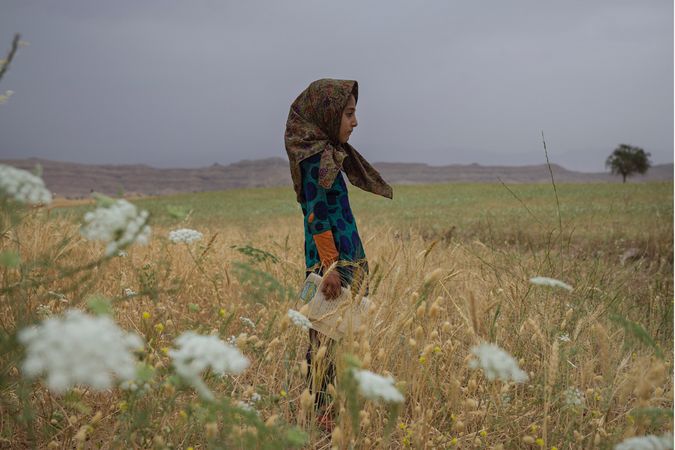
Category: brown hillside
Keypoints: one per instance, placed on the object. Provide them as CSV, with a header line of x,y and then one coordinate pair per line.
x,y
77,180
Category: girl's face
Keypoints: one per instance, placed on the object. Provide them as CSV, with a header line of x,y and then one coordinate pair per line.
x,y
348,122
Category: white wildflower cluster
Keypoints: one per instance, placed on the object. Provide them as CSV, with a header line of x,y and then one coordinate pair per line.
x,y
255,398
118,224
79,349
185,235
248,322
496,363
377,387
128,292
564,338
246,406
23,186
133,386
649,442
43,311
195,353
573,397
551,282
299,319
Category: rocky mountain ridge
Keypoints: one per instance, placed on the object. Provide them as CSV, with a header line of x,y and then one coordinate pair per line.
x,y
74,180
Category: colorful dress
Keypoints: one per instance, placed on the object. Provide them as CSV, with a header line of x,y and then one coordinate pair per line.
x,y
329,209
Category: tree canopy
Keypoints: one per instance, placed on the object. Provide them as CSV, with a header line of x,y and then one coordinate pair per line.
x,y
627,160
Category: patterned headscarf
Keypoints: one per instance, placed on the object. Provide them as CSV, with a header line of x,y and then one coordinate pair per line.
x,y
313,126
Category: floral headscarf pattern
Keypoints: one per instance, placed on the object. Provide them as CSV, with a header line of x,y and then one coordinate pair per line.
x,y
313,127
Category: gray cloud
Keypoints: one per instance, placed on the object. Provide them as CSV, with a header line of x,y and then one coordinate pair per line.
x,y
173,83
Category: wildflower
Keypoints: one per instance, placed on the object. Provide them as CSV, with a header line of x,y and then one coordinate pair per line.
x,y
299,319
221,312
283,393
195,353
649,442
185,235
564,338
133,386
496,363
255,398
118,223
23,186
573,397
377,387
43,311
159,327
552,282
78,348
122,254
129,385
145,315
540,442
129,292
248,322
246,406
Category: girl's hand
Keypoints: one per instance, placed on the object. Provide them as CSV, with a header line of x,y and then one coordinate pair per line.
x,y
331,287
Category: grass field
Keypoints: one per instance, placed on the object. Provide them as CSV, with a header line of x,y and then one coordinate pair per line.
x,y
599,358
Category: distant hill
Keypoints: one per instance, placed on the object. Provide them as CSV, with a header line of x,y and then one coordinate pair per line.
x,y
77,180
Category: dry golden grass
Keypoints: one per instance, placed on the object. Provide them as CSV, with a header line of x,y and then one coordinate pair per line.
x,y
419,332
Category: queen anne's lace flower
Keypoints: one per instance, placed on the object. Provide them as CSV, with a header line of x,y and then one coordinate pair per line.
x,y
552,282
118,224
185,235
195,353
248,322
23,186
573,397
496,363
649,442
79,349
299,319
246,406
377,387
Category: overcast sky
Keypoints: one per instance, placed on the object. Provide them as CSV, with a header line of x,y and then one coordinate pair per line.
x,y
189,83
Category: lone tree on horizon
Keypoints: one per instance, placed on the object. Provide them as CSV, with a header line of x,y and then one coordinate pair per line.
x,y
627,160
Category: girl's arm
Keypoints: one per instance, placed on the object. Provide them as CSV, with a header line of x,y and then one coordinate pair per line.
x,y
319,225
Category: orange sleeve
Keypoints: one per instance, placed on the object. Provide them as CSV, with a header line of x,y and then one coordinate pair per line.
x,y
325,244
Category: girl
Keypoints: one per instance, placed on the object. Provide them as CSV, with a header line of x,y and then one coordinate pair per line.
x,y
319,125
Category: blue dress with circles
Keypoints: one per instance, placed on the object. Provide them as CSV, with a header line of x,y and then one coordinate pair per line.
x,y
331,212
